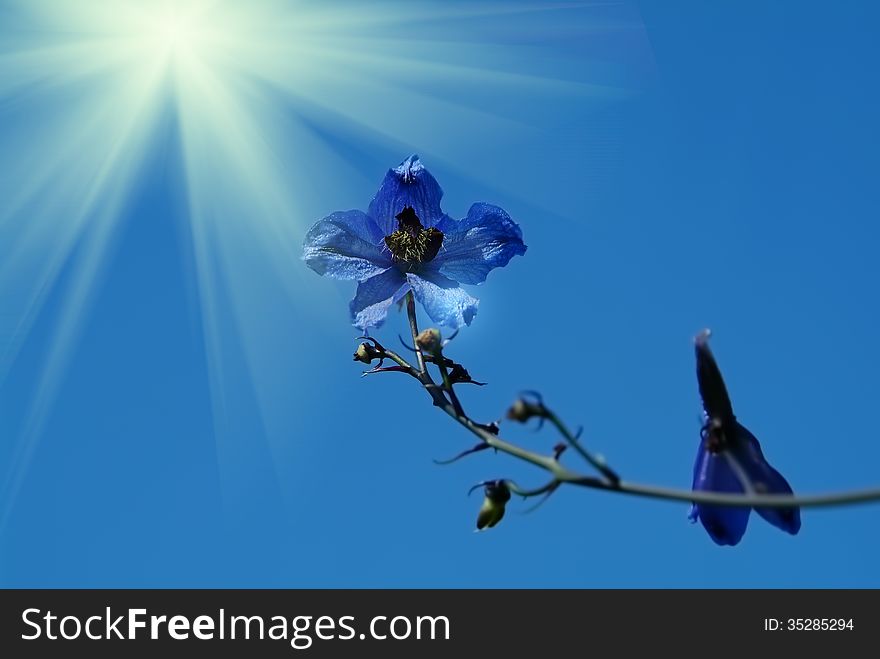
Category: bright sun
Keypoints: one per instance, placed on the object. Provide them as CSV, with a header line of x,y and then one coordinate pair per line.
x,y
173,33
251,111
170,33
183,31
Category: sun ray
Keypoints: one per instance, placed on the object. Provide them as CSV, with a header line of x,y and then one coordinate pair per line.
x,y
259,89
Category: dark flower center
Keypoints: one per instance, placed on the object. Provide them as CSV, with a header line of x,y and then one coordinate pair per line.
x,y
412,243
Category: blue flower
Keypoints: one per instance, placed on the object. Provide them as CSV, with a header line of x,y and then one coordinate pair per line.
x,y
405,242
728,456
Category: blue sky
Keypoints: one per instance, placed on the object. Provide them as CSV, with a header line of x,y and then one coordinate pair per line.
x,y
178,404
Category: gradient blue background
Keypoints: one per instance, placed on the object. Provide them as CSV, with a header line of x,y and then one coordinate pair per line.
x,y
733,185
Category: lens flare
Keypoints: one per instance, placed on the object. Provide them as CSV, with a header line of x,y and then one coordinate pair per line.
x,y
270,100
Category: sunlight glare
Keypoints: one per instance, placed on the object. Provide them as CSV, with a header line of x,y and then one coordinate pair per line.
x,y
261,108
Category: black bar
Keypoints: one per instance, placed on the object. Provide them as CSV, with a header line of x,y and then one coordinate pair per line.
x,y
502,623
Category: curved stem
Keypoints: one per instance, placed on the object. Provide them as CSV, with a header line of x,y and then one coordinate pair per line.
x,y
754,500
596,463
527,494
609,481
400,361
563,475
740,472
447,384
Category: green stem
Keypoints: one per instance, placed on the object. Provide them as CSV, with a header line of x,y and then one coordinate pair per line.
x,y
597,464
447,384
414,328
562,475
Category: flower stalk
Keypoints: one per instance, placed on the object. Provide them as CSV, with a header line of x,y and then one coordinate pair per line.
x,y
405,247
609,480
414,328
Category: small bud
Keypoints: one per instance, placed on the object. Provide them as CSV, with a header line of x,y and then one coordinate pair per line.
x,y
366,353
522,410
430,341
491,512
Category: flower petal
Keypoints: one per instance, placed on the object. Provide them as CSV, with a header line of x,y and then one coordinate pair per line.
x,y
346,245
487,238
712,473
375,296
443,299
408,184
766,480
716,401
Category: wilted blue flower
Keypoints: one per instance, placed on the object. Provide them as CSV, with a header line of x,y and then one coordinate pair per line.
x,y
729,454
405,242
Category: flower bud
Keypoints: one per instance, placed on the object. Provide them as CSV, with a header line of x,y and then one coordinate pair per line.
x,y
429,340
366,353
491,512
523,410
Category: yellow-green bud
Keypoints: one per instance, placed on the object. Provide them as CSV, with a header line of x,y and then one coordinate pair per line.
x,y
492,509
365,353
490,514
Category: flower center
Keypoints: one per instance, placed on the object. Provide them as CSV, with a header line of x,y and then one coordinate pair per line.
x,y
412,243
